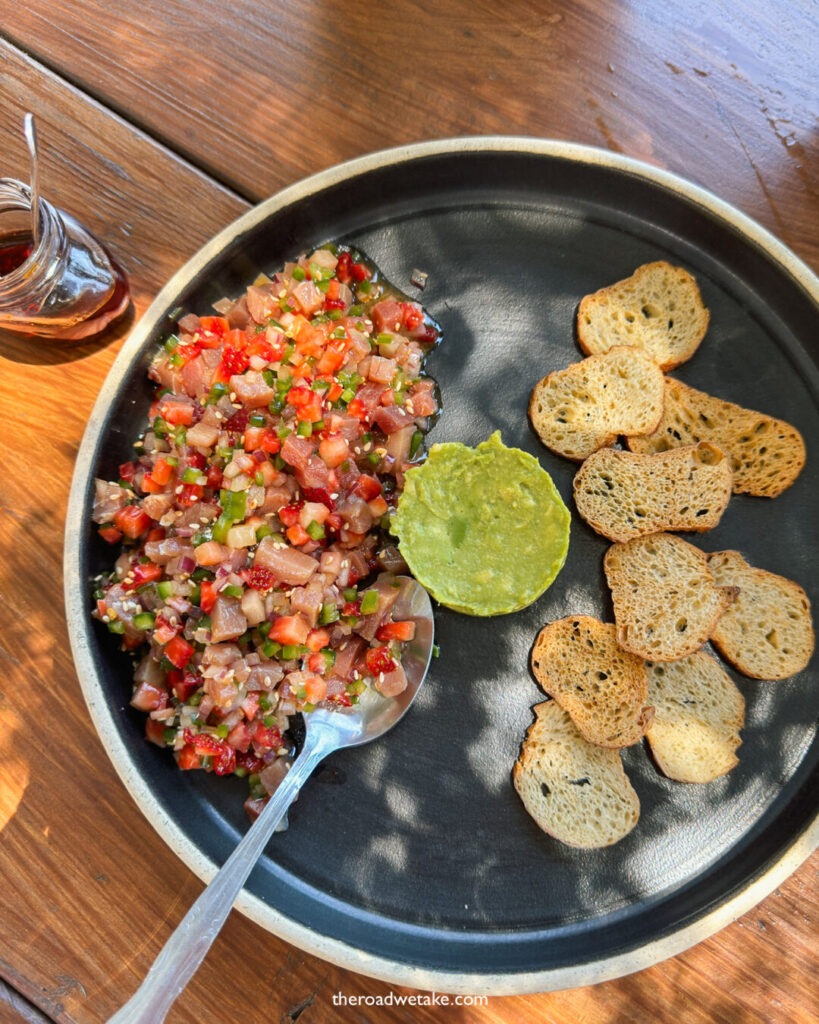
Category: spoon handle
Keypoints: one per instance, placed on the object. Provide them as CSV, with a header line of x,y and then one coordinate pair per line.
x,y
186,948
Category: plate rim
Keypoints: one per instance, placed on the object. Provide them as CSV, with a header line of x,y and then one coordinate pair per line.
x,y
102,712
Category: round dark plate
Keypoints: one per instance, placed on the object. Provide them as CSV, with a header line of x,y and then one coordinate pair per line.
x,y
413,859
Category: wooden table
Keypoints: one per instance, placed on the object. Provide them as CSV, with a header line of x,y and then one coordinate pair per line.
x,y
162,121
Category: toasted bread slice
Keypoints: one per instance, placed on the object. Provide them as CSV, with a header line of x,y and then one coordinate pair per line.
x,y
766,454
698,715
575,791
767,633
578,661
589,404
658,309
666,602
623,495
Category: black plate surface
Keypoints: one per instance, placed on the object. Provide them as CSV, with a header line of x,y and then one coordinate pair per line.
x,y
416,852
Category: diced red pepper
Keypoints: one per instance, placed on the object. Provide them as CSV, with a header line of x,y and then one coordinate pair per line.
x,y
183,684
334,303
332,358
317,639
411,316
178,652
333,523
127,471
157,533
344,268
212,329
357,408
401,631
367,487
290,629
307,403
145,572
187,758
189,495
267,737
162,472
207,596
262,439
132,521
360,272
110,534
297,535
149,485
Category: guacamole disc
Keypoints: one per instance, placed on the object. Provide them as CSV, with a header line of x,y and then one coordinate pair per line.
x,y
483,529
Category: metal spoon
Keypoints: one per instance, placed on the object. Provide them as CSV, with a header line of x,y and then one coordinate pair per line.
x,y
30,131
325,732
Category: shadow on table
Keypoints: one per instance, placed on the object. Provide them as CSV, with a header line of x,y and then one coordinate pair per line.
x,y
31,350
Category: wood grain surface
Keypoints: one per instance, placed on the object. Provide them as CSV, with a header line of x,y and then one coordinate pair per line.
x,y
200,109
262,93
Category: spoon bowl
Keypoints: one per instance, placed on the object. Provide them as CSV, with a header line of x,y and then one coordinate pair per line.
x,y
325,731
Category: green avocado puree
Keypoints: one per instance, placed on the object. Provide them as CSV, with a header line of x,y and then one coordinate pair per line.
x,y
483,529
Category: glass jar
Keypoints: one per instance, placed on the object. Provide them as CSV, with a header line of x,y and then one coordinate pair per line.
x,y
67,286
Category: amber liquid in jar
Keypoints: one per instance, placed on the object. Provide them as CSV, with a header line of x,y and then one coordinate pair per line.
x,y
66,285
15,249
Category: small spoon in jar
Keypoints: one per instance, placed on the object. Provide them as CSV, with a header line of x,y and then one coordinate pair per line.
x,y
30,131
325,731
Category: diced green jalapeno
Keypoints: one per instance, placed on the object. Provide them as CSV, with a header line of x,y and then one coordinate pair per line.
x,y
221,527
315,530
329,613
